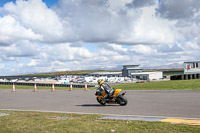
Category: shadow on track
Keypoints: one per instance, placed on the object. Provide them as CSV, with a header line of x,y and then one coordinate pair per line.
x,y
96,105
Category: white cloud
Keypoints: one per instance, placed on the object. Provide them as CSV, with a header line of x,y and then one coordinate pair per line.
x,y
115,47
21,48
143,49
178,9
141,3
2,66
149,29
186,14
12,31
35,38
33,62
93,21
35,15
64,52
97,21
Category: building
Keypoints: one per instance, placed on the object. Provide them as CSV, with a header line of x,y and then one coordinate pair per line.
x,y
107,74
192,67
191,71
132,71
147,75
128,69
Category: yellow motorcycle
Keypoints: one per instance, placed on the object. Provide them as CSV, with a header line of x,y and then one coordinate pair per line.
x,y
116,98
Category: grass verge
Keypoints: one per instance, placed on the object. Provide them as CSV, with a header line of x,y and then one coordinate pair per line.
x,y
37,122
162,85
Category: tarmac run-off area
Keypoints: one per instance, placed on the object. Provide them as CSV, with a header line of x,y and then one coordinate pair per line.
x,y
164,105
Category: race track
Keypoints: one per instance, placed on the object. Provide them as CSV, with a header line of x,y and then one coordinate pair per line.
x,y
169,103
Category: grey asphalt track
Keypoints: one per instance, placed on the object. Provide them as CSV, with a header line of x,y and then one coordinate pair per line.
x,y
166,103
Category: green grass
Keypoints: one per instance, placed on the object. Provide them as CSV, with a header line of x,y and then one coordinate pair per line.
x,y
162,85
38,122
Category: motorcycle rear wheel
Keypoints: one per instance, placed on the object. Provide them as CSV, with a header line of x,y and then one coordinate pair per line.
x,y
100,101
122,100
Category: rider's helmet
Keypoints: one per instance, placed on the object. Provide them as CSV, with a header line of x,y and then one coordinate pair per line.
x,y
100,81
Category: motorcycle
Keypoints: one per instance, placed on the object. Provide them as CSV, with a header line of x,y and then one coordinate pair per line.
x,y
116,98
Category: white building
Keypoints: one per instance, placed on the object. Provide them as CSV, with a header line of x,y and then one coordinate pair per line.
x,y
147,75
107,74
128,71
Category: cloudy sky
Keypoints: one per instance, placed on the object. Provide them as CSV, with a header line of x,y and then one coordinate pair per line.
x,y
61,35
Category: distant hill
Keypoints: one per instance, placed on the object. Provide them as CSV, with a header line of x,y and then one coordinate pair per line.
x,y
169,69
80,72
166,72
177,65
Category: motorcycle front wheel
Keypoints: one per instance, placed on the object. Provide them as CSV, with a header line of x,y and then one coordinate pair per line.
x,y
122,100
100,101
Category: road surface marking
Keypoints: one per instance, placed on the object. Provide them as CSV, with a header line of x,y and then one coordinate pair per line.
x,y
181,121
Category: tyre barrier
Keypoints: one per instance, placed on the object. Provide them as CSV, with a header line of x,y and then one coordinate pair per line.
x,y
185,77
47,84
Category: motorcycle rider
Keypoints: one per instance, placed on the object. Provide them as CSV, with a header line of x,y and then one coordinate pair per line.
x,y
104,86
